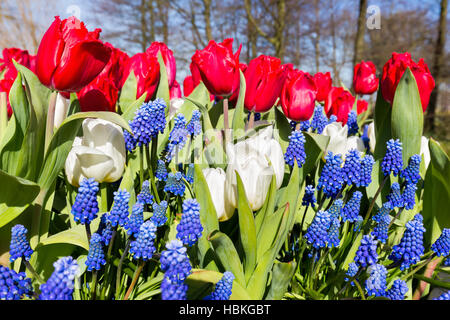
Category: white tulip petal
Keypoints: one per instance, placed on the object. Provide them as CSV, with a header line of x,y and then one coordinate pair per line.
x,y
94,163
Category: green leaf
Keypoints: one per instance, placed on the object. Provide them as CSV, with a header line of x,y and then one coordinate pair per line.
x,y
267,208
407,116
200,283
437,283
75,236
281,277
247,229
128,93
238,123
352,252
436,196
382,124
163,86
227,255
130,112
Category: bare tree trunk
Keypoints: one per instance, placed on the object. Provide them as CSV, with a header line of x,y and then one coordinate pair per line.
x,y
437,66
317,38
207,16
144,31
359,38
333,40
163,9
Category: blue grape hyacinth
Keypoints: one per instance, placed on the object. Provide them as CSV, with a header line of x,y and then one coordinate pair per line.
x,y
335,210
120,209
19,246
411,172
194,127
358,223
442,245
96,257
366,170
296,149
319,120
144,245
308,197
85,208
175,184
409,196
380,231
173,291
398,290
330,179
395,197
304,125
175,263
189,176
350,211
352,123
376,283
13,285
190,229
444,296
352,168
392,161
60,285
410,248
333,233
161,170
159,217
351,272
367,255
333,118
136,219
384,210
317,232
145,197
223,288
105,229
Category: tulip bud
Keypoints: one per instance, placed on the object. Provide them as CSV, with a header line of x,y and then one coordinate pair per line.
x,y
169,59
371,136
215,178
99,154
323,83
339,142
365,80
62,105
146,70
339,102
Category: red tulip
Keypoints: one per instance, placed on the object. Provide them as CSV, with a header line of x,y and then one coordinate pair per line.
x,y
339,102
365,80
146,70
175,90
393,71
218,67
237,81
116,68
100,95
188,85
361,106
69,57
323,83
298,96
264,77
167,55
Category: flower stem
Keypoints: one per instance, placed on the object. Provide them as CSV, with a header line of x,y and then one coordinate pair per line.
x,y
94,285
141,165
150,171
104,197
88,231
119,267
375,198
3,114
135,278
50,118
226,124
396,217
33,272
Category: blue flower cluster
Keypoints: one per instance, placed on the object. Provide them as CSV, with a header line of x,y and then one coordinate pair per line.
x,y
136,219
319,120
352,168
442,245
366,170
60,285
145,197
159,217
119,212
105,229
411,172
350,211
85,208
367,255
308,197
223,288
398,290
190,229
409,196
392,161
335,210
330,179
376,283
351,272
177,137
317,232
296,149
194,127
161,170
333,233
144,245
189,176
395,197
175,184
19,246
96,257
352,123
13,285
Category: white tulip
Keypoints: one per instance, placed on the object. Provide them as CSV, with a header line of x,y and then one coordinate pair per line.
x,y
371,136
215,178
61,107
99,154
174,105
339,142
425,151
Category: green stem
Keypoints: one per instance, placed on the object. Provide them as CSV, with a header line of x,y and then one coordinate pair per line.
x,y
119,267
396,217
135,278
50,119
361,291
3,114
375,198
88,231
104,197
420,266
33,272
152,176
94,285
141,165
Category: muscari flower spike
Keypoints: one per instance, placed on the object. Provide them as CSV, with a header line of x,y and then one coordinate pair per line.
x,y
442,245
296,149
398,290
350,211
351,272
175,184
161,171
119,212
60,285
13,285
85,208
336,209
144,245
380,231
330,179
189,176
367,252
223,288
332,119
382,212
410,248
376,283
366,170
358,224
96,257
444,296
159,217
145,197
19,246
317,232
136,219
409,196
308,197
173,291
392,161
319,120
352,168
105,229
130,141
190,229
333,233
194,127
395,197
411,172
352,123
304,125
365,137
175,263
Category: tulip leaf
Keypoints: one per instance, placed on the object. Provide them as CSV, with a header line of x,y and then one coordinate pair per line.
x,y
62,141
201,281
352,252
436,196
129,114
315,146
267,208
407,116
382,125
163,86
284,129
15,191
128,93
75,236
238,123
227,255
282,275
247,229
